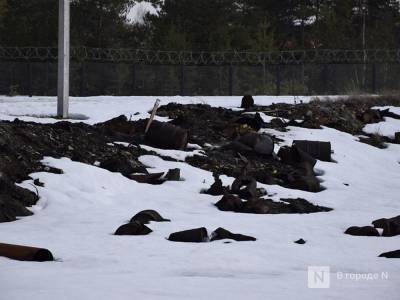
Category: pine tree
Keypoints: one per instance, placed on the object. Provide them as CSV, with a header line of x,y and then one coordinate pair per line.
x,y
264,36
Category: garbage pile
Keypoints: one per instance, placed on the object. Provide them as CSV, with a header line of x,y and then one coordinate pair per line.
x,y
24,144
384,227
136,226
234,146
235,143
389,227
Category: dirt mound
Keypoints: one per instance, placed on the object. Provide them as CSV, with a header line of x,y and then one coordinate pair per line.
x,y
23,145
218,130
349,114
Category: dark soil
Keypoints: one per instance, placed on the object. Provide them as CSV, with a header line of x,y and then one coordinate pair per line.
x,y
219,127
347,114
23,145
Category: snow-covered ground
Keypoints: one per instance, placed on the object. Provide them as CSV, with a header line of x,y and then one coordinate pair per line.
x,y
386,128
80,209
100,109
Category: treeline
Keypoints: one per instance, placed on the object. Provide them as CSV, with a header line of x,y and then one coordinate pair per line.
x,y
257,25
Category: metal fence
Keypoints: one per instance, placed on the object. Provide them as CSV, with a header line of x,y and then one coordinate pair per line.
x,y
33,71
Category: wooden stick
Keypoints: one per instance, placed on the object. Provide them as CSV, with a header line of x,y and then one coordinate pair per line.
x,y
153,113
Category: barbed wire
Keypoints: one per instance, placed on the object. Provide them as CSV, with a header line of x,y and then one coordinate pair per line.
x,y
155,57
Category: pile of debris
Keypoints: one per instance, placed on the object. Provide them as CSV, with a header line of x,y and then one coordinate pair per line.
x,y
245,187
233,147
231,142
385,227
389,227
137,226
200,235
23,145
348,114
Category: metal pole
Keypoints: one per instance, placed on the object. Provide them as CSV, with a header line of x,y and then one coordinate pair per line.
x,y
63,59
230,80
374,87
364,8
182,80
278,80
133,89
29,79
82,80
264,89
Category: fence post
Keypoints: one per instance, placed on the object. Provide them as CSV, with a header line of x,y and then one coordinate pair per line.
x,y
82,79
47,77
309,78
134,78
12,76
29,78
374,87
231,70
264,78
182,79
325,79
278,80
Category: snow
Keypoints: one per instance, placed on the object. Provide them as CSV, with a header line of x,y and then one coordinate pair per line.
x,y
138,11
393,109
307,21
80,209
178,155
174,154
386,128
267,118
100,109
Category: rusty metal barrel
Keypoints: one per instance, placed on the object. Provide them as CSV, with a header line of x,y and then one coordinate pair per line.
x,y
167,136
25,253
247,102
317,149
397,137
197,235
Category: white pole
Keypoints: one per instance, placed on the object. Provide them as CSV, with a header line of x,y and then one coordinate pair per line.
x,y
63,59
364,11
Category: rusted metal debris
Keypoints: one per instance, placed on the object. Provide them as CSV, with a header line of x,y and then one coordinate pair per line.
x,y
397,137
317,149
154,178
259,143
197,235
221,234
133,228
200,235
25,253
166,136
391,254
247,102
173,175
148,215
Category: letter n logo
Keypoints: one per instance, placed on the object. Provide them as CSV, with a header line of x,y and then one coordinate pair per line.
x,y
318,277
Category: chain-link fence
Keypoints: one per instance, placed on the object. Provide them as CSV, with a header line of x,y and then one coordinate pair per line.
x,y
33,71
